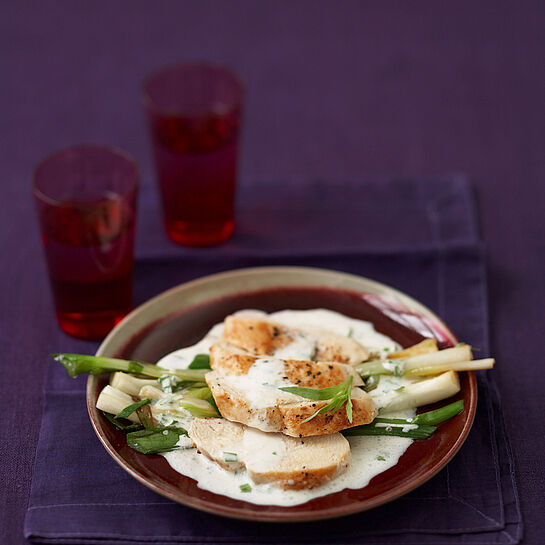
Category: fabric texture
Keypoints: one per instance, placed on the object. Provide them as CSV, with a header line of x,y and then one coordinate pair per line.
x,y
79,494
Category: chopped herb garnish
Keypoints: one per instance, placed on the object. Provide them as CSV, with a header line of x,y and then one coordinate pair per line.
x,y
200,361
230,457
127,411
245,487
381,458
401,388
274,453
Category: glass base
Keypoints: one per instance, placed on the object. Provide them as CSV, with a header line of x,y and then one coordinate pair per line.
x,y
199,233
90,325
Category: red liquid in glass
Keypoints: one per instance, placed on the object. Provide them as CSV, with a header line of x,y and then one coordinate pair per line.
x,y
89,250
196,161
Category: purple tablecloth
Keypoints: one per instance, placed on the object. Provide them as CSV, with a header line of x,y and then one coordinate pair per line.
x,y
336,91
79,495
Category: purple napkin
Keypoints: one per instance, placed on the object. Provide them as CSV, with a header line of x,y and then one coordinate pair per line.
x,y
79,495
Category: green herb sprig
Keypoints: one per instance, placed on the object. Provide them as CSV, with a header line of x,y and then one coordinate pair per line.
x,y
339,395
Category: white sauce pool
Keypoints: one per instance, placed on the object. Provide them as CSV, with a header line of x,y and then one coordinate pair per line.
x,y
370,455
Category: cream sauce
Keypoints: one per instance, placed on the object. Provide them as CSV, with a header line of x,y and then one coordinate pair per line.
x,y
262,382
370,455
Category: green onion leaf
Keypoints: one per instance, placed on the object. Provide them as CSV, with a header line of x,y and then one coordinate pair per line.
x,y
439,415
419,432
127,411
155,440
200,361
121,426
245,487
76,364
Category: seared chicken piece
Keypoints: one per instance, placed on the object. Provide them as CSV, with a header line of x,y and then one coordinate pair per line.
x,y
270,409
262,337
228,359
287,462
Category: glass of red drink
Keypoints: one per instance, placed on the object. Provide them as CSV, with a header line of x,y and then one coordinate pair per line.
x,y
194,112
86,202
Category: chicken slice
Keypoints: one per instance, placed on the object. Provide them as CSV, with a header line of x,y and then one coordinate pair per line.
x,y
228,359
264,406
263,337
287,462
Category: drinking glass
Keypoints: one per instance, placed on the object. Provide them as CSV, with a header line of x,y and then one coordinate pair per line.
x,y
86,202
194,112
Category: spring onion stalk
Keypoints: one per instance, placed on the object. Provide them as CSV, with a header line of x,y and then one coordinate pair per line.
x,y
199,408
113,401
151,392
427,346
76,364
199,393
379,367
425,392
129,384
471,365
442,357
458,358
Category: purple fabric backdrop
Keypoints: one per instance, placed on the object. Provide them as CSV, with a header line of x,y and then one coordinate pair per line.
x,y
336,91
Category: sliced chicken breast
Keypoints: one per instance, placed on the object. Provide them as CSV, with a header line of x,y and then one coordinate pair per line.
x,y
263,337
274,458
266,407
228,359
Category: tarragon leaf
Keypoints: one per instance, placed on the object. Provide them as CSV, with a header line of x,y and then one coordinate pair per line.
x,y
341,396
318,394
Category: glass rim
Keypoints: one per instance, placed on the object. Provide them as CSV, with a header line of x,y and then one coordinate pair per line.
x,y
39,194
225,69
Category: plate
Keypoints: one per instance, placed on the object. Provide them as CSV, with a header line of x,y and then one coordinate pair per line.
x,y
181,316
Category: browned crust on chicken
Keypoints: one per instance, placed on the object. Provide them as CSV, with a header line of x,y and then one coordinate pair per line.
x,y
256,336
331,347
261,337
229,360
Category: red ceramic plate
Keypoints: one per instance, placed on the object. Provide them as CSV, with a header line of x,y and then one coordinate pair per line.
x,y
182,315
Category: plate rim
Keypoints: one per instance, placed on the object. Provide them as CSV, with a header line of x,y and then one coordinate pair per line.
x,y
108,346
